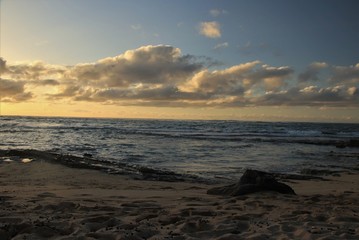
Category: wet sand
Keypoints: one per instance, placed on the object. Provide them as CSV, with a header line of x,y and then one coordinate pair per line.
x,y
43,200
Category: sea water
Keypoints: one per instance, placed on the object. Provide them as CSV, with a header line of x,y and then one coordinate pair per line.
x,y
210,149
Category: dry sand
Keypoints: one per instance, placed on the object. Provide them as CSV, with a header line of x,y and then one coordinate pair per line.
x,y
42,200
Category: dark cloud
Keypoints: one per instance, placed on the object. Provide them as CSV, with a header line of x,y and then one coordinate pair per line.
x,y
2,66
13,91
312,96
346,75
22,97
113,94
46,82
311,73
10,88
50,82
34,71
68,91
164,94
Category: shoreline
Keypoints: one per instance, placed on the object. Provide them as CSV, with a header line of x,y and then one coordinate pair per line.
x,y
43,200
136,172
139,172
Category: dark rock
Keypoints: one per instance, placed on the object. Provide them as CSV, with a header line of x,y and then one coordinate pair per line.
x,y
353,143
341,145
253,181
350,143
87,155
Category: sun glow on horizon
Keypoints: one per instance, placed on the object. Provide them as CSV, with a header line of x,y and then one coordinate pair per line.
x,y
199,62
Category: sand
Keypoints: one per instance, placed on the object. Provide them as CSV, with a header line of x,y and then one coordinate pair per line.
x,y
43,200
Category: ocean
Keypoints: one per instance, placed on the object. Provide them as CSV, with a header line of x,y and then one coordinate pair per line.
x,y
208,149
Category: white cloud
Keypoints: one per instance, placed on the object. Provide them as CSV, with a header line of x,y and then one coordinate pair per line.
x,y
217,12
210,29
221,45
309,89
136,27
238,79
149,64
353,91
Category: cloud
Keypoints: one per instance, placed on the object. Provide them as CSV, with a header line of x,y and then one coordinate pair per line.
x,y
47,82
162,76
145,65
34,71
345,74
210,29
10,88
68,91
238,79
312,71
13,91
2,66
21,97
136,27
217,12
336,96
221,45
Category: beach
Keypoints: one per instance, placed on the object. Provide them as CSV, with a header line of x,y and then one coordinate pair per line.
x,y
42,199
183,120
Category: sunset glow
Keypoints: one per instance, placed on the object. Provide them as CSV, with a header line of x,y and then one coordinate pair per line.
x,y
244,60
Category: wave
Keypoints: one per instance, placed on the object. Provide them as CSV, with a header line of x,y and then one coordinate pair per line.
x,y
291,136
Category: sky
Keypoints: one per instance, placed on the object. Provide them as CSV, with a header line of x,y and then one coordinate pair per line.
x,y
253,60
